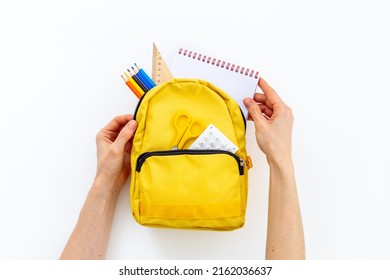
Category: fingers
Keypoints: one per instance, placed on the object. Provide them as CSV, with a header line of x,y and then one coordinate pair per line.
x,y
266,111
118,122
124,136
254,110
128,147
260,98
264,104
112,129
269,92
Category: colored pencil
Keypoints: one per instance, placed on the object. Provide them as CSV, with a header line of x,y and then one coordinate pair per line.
x,y
132,87
142,78
149,80
138,81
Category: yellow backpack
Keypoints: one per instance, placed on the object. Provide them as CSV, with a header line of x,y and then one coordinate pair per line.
x,y
178,187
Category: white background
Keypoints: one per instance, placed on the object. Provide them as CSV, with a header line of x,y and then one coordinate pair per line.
x,y
60,66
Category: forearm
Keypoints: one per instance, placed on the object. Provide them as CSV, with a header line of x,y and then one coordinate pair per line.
x,y
89,238
285,238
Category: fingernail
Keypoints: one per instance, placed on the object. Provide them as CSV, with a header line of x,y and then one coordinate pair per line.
x,y
132,124
247,101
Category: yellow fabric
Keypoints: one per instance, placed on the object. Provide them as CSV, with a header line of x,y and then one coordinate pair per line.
x,y
230,209
180,190
210,224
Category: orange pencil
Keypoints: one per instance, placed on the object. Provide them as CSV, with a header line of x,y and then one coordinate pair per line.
x,y
134,83
132,87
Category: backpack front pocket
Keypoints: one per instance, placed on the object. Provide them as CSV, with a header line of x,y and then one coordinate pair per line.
x,y
190,185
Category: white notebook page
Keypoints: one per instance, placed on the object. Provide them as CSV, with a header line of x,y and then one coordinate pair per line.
x,y
239,82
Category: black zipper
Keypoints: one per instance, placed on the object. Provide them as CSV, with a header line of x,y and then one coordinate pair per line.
x,y
138,105
141,159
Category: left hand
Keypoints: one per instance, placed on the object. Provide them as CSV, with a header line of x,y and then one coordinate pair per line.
x,y
113,151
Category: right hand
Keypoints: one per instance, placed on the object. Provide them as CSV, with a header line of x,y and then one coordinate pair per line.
x,y
273,121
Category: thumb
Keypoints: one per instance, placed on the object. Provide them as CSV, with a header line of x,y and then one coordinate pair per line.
x,y
125,134
254,111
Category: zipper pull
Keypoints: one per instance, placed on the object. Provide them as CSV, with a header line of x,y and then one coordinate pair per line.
x,y
247,163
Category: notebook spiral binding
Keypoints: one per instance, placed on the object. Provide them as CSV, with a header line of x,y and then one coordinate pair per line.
x,y
220,63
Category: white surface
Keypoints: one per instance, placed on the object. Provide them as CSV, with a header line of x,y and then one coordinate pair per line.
x,y
60,66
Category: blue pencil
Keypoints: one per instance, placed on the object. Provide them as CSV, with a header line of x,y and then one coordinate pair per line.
x,y
142,78
149,80
136,78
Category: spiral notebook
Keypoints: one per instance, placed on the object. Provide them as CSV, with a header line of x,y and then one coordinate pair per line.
x,y
238,81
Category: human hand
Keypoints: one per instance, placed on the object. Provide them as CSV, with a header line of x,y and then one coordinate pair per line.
x,y
113,151
273,121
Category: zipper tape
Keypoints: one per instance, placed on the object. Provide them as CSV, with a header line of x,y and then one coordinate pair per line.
x,y
141,159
